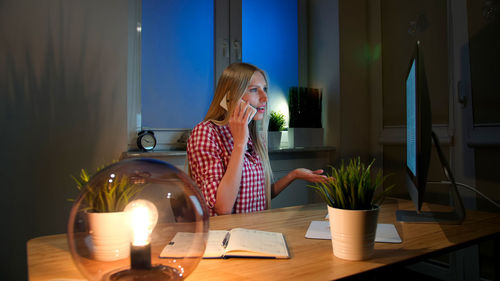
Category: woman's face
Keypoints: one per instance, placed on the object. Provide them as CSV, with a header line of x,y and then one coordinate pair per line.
x,y
256,94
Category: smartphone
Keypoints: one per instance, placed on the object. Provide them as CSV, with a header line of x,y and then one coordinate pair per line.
x,y
253,110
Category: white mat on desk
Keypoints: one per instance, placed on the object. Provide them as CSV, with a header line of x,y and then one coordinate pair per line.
x,y
386,233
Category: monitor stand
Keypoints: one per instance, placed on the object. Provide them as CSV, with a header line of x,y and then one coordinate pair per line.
x,y
456,216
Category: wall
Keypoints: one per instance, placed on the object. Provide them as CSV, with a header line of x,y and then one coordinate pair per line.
x,y
354,65
338,63
63,70
483,27
402,24
487,176
323,64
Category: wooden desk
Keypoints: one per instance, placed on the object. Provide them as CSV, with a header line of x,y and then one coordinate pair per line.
x,y
48,256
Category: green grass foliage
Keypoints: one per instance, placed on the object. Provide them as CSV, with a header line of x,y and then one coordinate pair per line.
x,y
110,196
276,121
352,186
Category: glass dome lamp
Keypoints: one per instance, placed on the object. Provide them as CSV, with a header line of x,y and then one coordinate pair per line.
x,y
128,213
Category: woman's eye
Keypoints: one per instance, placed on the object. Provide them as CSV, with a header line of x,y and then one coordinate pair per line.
x,y
253,90
265,89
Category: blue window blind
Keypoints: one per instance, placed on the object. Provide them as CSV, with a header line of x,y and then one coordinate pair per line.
x,y
177,68
270,41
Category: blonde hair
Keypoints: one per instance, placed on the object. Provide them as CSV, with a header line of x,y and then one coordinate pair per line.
x,y
232,85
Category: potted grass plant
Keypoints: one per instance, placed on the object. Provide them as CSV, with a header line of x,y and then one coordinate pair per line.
x,y
112,195
353,198
104,200
276,126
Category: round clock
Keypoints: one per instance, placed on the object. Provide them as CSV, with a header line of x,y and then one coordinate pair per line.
x,y
146,140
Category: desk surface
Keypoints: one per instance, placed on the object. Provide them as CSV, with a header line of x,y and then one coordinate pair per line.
x,y
48,256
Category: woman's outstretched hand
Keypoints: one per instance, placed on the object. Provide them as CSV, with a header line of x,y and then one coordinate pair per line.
x,y
310,176
298,174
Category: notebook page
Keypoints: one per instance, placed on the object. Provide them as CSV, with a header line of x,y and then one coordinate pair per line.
x,y
260,242
214,248
386,233
182,245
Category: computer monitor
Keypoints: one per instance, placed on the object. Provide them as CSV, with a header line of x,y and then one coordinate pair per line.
x,y
418,128
419,139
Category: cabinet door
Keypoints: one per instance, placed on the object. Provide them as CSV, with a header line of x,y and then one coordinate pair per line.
x,y
298,193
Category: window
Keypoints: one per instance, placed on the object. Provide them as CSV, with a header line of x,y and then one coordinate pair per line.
x,y
177,70
270,41
180,48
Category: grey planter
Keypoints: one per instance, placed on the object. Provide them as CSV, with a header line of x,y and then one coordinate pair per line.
x,y
305,137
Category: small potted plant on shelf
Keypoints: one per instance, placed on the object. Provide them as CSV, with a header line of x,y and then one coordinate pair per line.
x,y
103,206
353,206
276,126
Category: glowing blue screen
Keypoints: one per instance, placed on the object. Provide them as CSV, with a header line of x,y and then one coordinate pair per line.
x,y
411,121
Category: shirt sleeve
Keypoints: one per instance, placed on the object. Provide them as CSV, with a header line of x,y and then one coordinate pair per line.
x,y
206,161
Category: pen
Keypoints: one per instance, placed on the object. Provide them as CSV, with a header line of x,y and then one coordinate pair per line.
x,y
226,240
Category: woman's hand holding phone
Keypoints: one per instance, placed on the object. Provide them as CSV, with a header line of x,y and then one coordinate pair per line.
x,y
238,123
252,109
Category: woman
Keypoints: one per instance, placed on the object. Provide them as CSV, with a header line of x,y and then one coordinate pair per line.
x,y
227,157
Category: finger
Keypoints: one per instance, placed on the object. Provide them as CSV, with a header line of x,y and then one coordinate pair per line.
x,y
247,111
235,111
243,109
321,179
240,109
319,176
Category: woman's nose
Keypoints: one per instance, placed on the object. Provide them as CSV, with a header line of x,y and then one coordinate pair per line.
x,y
263,96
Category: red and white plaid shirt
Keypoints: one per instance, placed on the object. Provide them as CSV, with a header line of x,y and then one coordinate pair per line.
x,y
209,149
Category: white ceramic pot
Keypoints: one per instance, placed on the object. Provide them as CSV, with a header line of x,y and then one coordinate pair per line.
x,y
353,232
110,235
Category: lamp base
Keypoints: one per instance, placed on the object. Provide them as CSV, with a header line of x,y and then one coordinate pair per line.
x,y
140,257
155,273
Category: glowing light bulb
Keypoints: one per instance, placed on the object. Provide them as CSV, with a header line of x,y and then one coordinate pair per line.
x,y
143,217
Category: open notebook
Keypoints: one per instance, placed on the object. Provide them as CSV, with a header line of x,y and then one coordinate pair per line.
x,y
238,242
